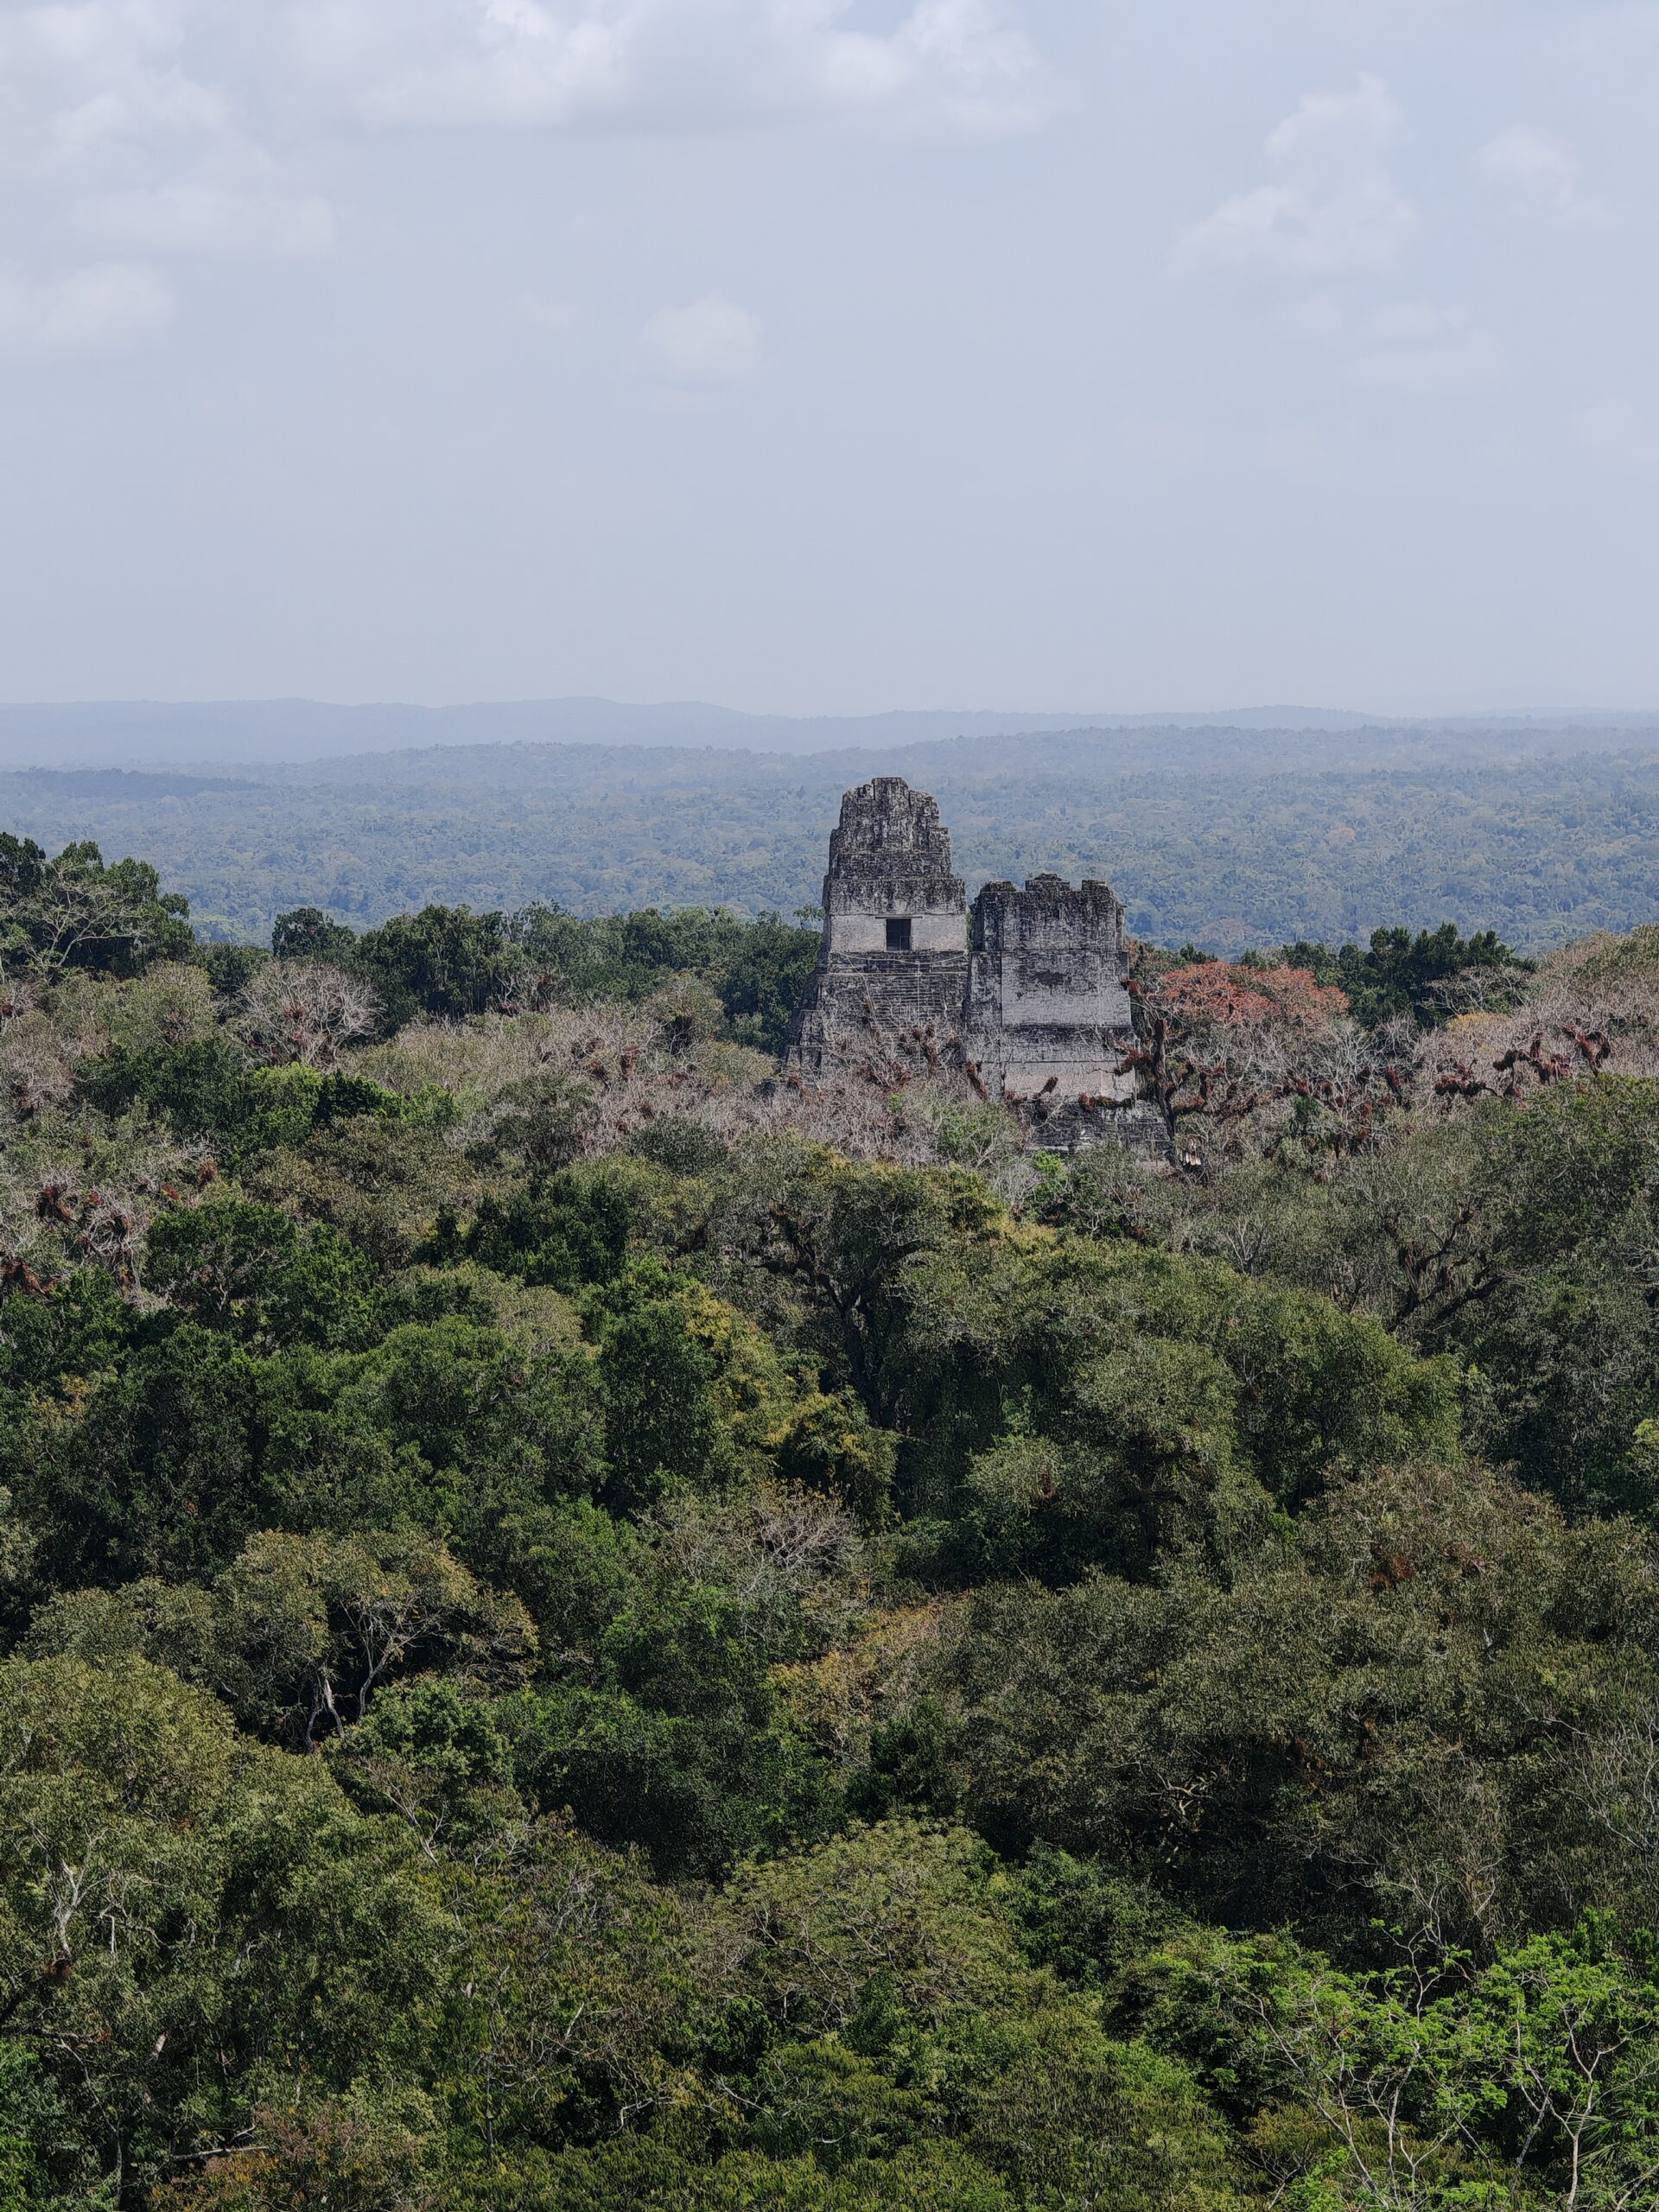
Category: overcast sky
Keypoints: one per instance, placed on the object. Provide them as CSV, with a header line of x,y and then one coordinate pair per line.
x,y
1054,353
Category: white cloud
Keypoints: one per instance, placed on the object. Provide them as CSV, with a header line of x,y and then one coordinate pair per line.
x,y
699,65
211,219
180,127
1456,362
712,344
1538,173
103,95
954,62
1330,222
134,123
102,309
1411,346
1331,205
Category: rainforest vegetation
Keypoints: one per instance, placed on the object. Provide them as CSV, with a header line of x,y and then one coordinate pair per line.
x,y
1224,839
584,1626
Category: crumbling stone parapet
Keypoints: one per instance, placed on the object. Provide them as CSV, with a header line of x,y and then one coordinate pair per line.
x,y
1048,1007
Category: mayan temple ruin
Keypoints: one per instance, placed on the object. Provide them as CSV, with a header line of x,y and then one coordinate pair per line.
x,y
1027,992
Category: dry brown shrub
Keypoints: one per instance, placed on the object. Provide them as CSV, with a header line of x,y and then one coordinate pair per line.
x,y
628,1059
37,1066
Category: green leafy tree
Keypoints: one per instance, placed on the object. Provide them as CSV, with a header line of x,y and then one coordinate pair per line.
x,y
235,1265
572,1229
75,912
445,961
664,1429
765,978
177,1909
680,1747
843,1239
1532,2080
308,933
154,1470
1074,1401
301,1632
1399,974
1347,1731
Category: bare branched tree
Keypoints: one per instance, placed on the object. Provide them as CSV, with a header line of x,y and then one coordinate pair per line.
x,y
37,1068
306,1010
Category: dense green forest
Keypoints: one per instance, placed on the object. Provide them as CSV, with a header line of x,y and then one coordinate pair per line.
x,y
586,1626
1221,839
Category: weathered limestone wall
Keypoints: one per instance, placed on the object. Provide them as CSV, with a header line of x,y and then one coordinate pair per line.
x,y
889,862
1046,992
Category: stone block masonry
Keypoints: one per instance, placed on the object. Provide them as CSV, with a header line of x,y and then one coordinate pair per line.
x,y
894,952
1030,998
890,862
1048,1007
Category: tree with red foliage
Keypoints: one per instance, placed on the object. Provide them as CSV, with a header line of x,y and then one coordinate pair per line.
x,y
1218,1040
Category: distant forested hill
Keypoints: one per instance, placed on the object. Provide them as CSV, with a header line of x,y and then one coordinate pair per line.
x,y
1221,837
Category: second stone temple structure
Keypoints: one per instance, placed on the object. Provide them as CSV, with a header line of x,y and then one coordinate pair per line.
x,y
1027,992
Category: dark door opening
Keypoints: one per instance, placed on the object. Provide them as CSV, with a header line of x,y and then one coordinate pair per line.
x,y
899,937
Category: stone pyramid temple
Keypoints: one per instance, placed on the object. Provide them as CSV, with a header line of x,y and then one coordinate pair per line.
x,y
1026,991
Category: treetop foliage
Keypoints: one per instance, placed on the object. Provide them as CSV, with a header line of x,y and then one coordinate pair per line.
x,y
1427,977
584,1626
1222,838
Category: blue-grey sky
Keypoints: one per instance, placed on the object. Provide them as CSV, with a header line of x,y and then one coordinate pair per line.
x,y
1047,353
